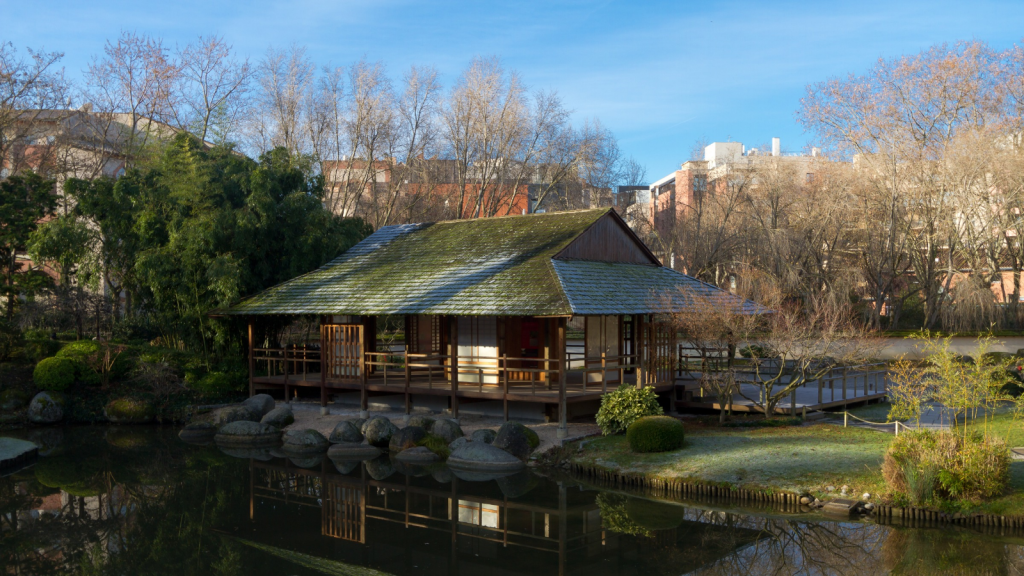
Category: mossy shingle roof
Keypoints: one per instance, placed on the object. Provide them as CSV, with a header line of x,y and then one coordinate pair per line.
x,y
488,266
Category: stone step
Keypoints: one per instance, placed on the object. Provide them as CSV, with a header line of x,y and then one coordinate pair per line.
x,y
15,453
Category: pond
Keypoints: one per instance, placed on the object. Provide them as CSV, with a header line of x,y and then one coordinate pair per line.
x,y
137,501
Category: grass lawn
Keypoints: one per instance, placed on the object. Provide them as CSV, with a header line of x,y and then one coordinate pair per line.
x,y
793,458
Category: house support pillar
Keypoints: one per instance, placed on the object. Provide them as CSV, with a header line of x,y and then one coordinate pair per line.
x,y
563,408
364,374
453,346
323,367
252,358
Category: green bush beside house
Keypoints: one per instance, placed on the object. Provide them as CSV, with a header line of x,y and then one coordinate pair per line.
x,y
655,434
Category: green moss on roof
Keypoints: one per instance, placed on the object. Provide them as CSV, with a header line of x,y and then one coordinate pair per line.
x,y
469,267
483,267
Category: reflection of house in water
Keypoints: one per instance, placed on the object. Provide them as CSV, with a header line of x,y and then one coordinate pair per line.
x,y
426,525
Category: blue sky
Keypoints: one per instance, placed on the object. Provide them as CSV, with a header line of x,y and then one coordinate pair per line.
x,y
661,75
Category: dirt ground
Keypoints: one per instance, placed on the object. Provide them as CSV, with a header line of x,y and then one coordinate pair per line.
x,y
307,415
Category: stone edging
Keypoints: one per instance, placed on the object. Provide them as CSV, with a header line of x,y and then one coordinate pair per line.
x,y
882,513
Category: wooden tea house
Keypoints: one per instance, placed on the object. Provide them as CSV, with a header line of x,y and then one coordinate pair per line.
x,y
487,306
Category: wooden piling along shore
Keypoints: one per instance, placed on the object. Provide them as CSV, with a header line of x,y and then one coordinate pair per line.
x,y
910,516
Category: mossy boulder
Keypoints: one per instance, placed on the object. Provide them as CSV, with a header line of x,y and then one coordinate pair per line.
x,y
260,404
516,439
422,421
655,434
478,456
46,408
345,431
279,417
229,414
378,431
406,438
306,441
246,433
129,411
447,429
457,443
484,435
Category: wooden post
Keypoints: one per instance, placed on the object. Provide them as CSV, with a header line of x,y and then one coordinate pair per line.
x,y
364,375
252,359
563,408
845,369
323,357
504,379
453,347
409,371
819,389
792,402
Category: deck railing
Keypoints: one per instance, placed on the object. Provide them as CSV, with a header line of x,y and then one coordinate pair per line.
x,y
398,369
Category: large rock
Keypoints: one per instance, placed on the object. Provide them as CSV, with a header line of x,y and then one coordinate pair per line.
x,y
378,431
15,453
229,414
128,411
279,417
457,443
261,454
260,404
306,441
515,439
484,435
406,438
307,461
198,432
245,433
478,456
345,432
422,421
46,408
446,429
417,455
354,452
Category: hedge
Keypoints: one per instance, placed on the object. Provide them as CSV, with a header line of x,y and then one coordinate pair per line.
x,y
54,374
655,434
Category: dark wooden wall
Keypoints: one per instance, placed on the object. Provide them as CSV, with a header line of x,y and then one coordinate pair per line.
x,y
606,241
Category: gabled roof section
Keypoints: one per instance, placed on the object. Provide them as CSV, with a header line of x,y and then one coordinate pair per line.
x,y
609,239
511,266
487,266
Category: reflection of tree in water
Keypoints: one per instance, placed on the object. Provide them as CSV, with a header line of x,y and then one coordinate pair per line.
x,y
127,503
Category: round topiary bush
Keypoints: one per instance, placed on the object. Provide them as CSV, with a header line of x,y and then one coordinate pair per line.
x,y
54,374
655,434
624,406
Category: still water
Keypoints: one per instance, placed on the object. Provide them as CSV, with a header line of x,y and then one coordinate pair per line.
x,y
138,501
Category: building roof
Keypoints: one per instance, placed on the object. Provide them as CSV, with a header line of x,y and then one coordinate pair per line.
x,y
508,266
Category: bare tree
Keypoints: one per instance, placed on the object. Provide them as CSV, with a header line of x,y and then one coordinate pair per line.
x,y
284,78
33,95
133,89
213,87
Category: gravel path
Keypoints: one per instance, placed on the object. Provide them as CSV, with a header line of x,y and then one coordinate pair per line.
x,y
307,415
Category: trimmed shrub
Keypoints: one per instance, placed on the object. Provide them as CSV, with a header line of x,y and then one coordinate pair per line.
x,y
655,434
626,405
91,359
54,374
950,465
216,384
435,444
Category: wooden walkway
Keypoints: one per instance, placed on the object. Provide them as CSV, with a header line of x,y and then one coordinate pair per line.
x,y
838,390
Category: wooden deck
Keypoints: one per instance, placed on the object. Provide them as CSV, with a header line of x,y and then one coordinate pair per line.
x,y
538,392
838,390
